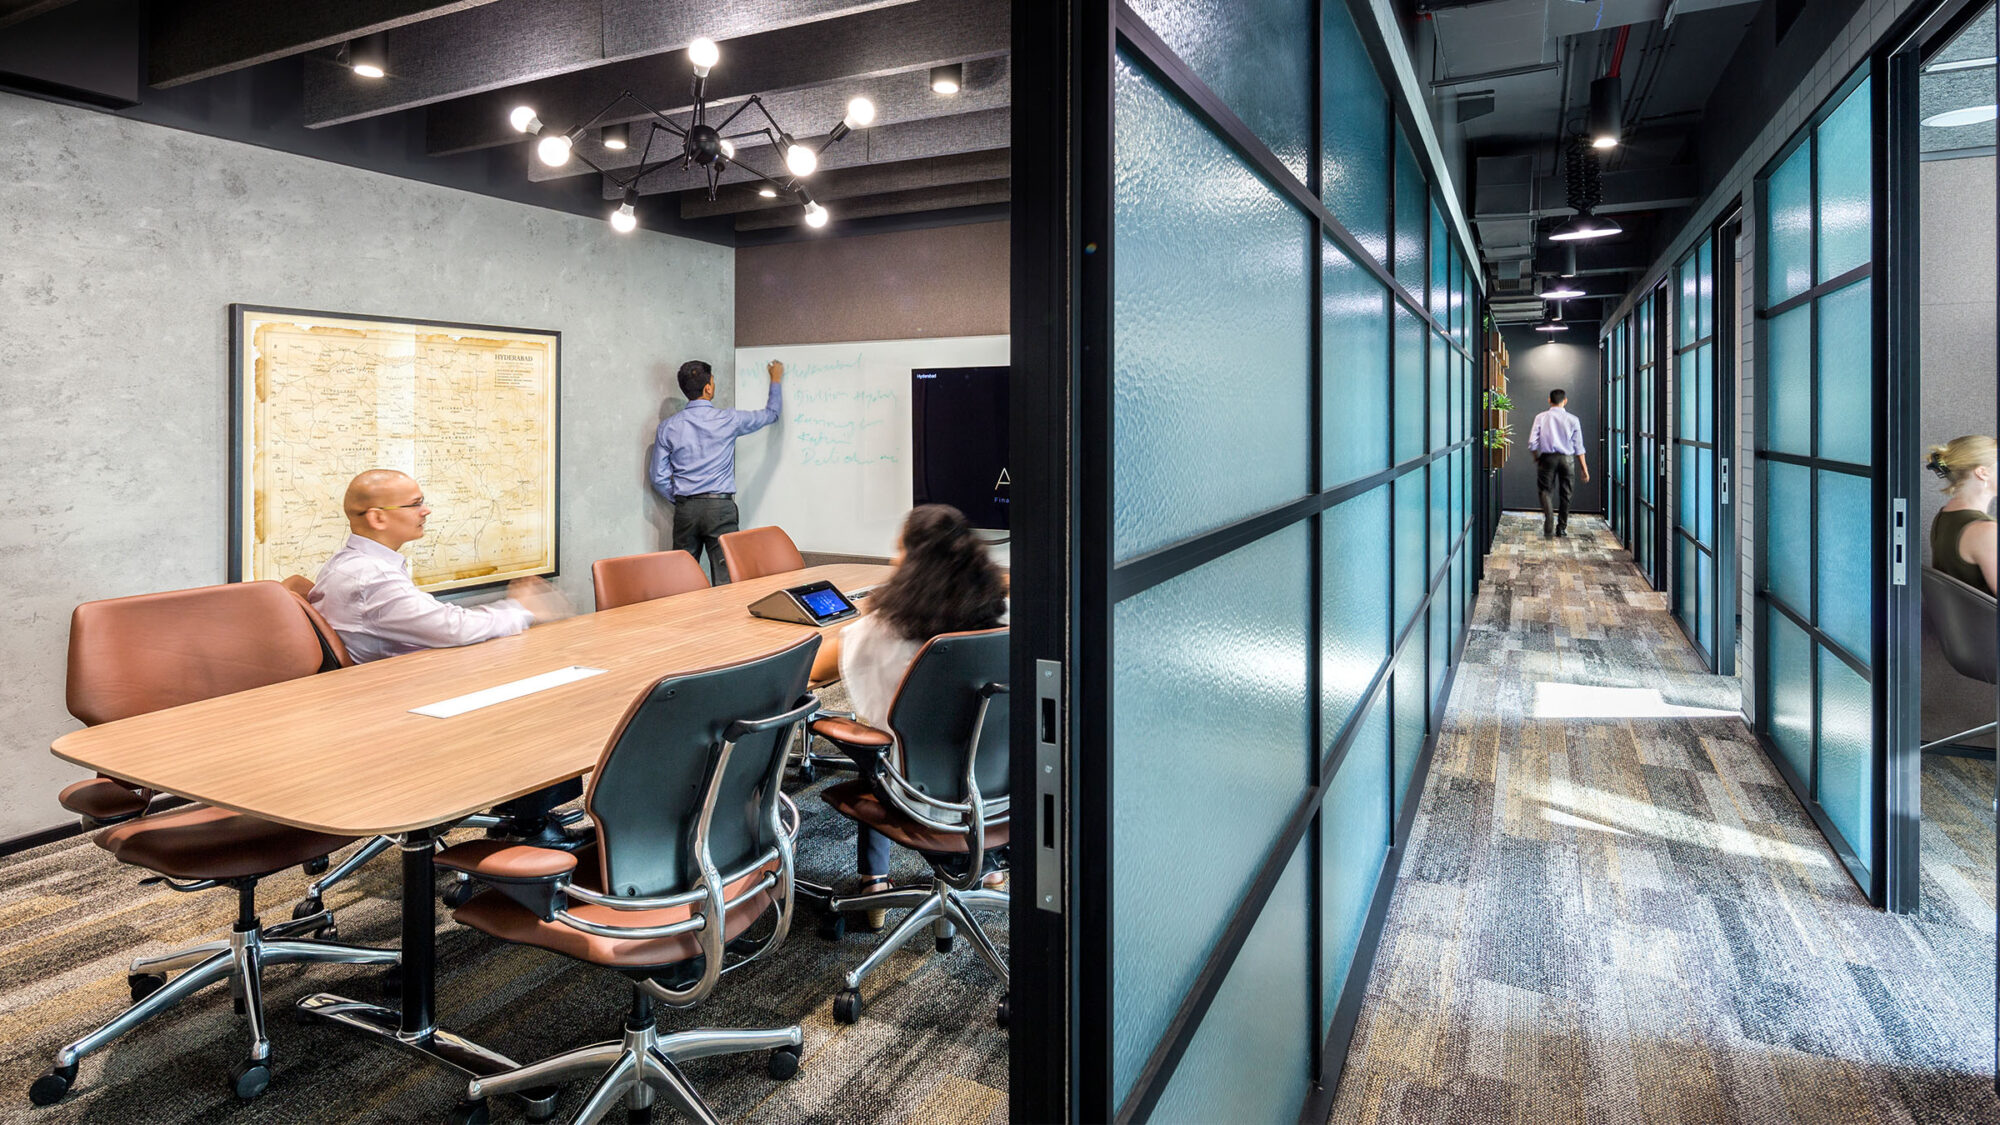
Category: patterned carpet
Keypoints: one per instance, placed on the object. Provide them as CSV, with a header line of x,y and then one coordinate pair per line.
x,y
926,1049
1613,910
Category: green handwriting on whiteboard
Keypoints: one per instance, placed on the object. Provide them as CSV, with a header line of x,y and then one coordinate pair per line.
x,y
832,423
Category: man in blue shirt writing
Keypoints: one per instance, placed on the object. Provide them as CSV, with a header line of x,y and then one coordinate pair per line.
x,y
1557,443
694,461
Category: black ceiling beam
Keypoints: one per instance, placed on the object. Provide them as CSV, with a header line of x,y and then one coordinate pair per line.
x,y
1628,190
196,39
895,203
853,183
14,11
924,34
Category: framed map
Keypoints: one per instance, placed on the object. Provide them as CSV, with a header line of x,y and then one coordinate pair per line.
x,y
470,411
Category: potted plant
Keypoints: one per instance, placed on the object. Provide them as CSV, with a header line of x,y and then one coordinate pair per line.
x,y
1496,440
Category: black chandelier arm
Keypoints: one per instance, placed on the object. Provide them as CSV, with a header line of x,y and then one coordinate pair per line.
x,y
665,122
754,99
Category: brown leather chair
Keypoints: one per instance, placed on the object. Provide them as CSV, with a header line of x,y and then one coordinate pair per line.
x,y
758,552
130,656
691,852
641,578
935,782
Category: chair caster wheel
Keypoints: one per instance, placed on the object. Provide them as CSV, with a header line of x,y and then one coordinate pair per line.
x,y
250,1078
847,1005
784,1063
458,894
944,945
470,1113
808,772
540,1102
833,925
306,908
315,866
1006,1011
328,932
145,984
50,1088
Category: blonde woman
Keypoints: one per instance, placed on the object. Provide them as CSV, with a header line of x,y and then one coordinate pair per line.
x,y
1964,542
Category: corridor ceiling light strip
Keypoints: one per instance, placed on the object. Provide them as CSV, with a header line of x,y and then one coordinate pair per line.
x,y
701,144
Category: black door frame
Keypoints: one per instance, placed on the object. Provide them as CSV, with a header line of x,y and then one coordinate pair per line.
x,y
1721,502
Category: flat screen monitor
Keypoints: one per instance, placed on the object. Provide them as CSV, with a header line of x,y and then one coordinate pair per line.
x,y
959,442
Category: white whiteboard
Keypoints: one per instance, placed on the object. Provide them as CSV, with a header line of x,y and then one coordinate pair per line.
x,y
834,470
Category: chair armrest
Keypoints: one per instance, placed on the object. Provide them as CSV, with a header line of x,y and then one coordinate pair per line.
x,y
803,707
988,691
533,877
103,801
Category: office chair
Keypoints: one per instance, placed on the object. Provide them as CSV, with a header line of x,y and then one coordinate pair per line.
x,y
641,578
130,656
691,852
758,552
1962,617
936,782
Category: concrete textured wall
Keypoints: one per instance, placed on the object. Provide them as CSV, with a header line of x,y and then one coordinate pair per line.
x,y
121,247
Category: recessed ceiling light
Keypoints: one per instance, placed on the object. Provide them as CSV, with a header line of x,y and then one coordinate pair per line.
x,y
948,79
768,192
1970,115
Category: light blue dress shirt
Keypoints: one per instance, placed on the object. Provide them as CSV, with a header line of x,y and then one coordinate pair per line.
x,y
1556,431
695,450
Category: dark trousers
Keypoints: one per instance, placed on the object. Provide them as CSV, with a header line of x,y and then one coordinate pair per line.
x,y
700,522
1555,476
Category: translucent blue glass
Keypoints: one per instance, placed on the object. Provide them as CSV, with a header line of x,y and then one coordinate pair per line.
x,y
1705,325
1440,649
1788,221
1684,486
1412,205
1255,56
1440,381
1705,622
1646,468
1846,382
1354,357
1685,381
1440,515
1788,520
1688,301
1684,587
1411,523
1704,393
1226,641
1411,428
1440,256
1182,196
1354,841
1788,398
1704,494
1355,604
1412,717
1846,200
1249,1060
1846,561
1788,680
1846,748
1354,134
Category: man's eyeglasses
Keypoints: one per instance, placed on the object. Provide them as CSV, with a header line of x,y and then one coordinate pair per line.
x,y
417,503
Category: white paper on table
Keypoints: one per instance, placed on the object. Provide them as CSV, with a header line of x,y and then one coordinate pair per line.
x,y
487,697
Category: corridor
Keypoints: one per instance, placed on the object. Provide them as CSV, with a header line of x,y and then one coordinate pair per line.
x,y
1614,910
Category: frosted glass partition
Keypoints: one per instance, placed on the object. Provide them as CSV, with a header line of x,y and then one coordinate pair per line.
x,y
1412,207
1354,839
1696,600
1354,134
1411,394
1256,55
1248,309
1647,434
1355,605
1818,585
1354,370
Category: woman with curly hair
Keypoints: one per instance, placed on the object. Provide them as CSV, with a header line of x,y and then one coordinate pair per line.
x,y
944,583
1963,540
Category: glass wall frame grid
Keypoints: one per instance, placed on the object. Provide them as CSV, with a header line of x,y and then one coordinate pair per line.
x,y
1830,658
1442,471
1649,403
1617,397
1697,514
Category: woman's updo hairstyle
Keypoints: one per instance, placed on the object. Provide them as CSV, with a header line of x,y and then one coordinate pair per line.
x,y
1954,460
947,582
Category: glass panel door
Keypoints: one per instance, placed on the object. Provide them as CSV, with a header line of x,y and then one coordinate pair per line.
x,y
1618,454
1819,551
1700,516
1649,449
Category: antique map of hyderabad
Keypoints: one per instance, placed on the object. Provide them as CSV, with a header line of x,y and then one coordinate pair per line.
x,y
469,412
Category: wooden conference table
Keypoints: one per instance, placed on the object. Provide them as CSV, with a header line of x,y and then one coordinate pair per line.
x,y
342,753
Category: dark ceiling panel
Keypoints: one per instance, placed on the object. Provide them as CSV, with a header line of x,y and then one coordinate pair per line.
x,y
928,33
515,41
14,11
894,203
874,179
195,39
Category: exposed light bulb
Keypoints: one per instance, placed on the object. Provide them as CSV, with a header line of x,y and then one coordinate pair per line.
x,y
860,114
623,220
728,150
703,53
524,120
816,215
554,150
801,160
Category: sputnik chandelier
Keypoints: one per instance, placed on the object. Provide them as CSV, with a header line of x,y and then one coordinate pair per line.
x,y
701,144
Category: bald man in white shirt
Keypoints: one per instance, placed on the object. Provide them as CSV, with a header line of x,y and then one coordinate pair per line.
x,y
366,594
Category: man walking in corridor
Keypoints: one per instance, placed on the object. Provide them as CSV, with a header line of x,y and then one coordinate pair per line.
x,y
1556,440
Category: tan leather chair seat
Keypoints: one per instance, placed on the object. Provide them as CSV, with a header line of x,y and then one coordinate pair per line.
x,y
210,843
857,801
491,912
847,731
102,798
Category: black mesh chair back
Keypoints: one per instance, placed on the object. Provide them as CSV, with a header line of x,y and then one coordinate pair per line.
x,y
939,708
647,792
1963,620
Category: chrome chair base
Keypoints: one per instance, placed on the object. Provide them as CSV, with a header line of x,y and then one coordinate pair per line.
x,y
641,1065
240,960
1985,728
942,907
